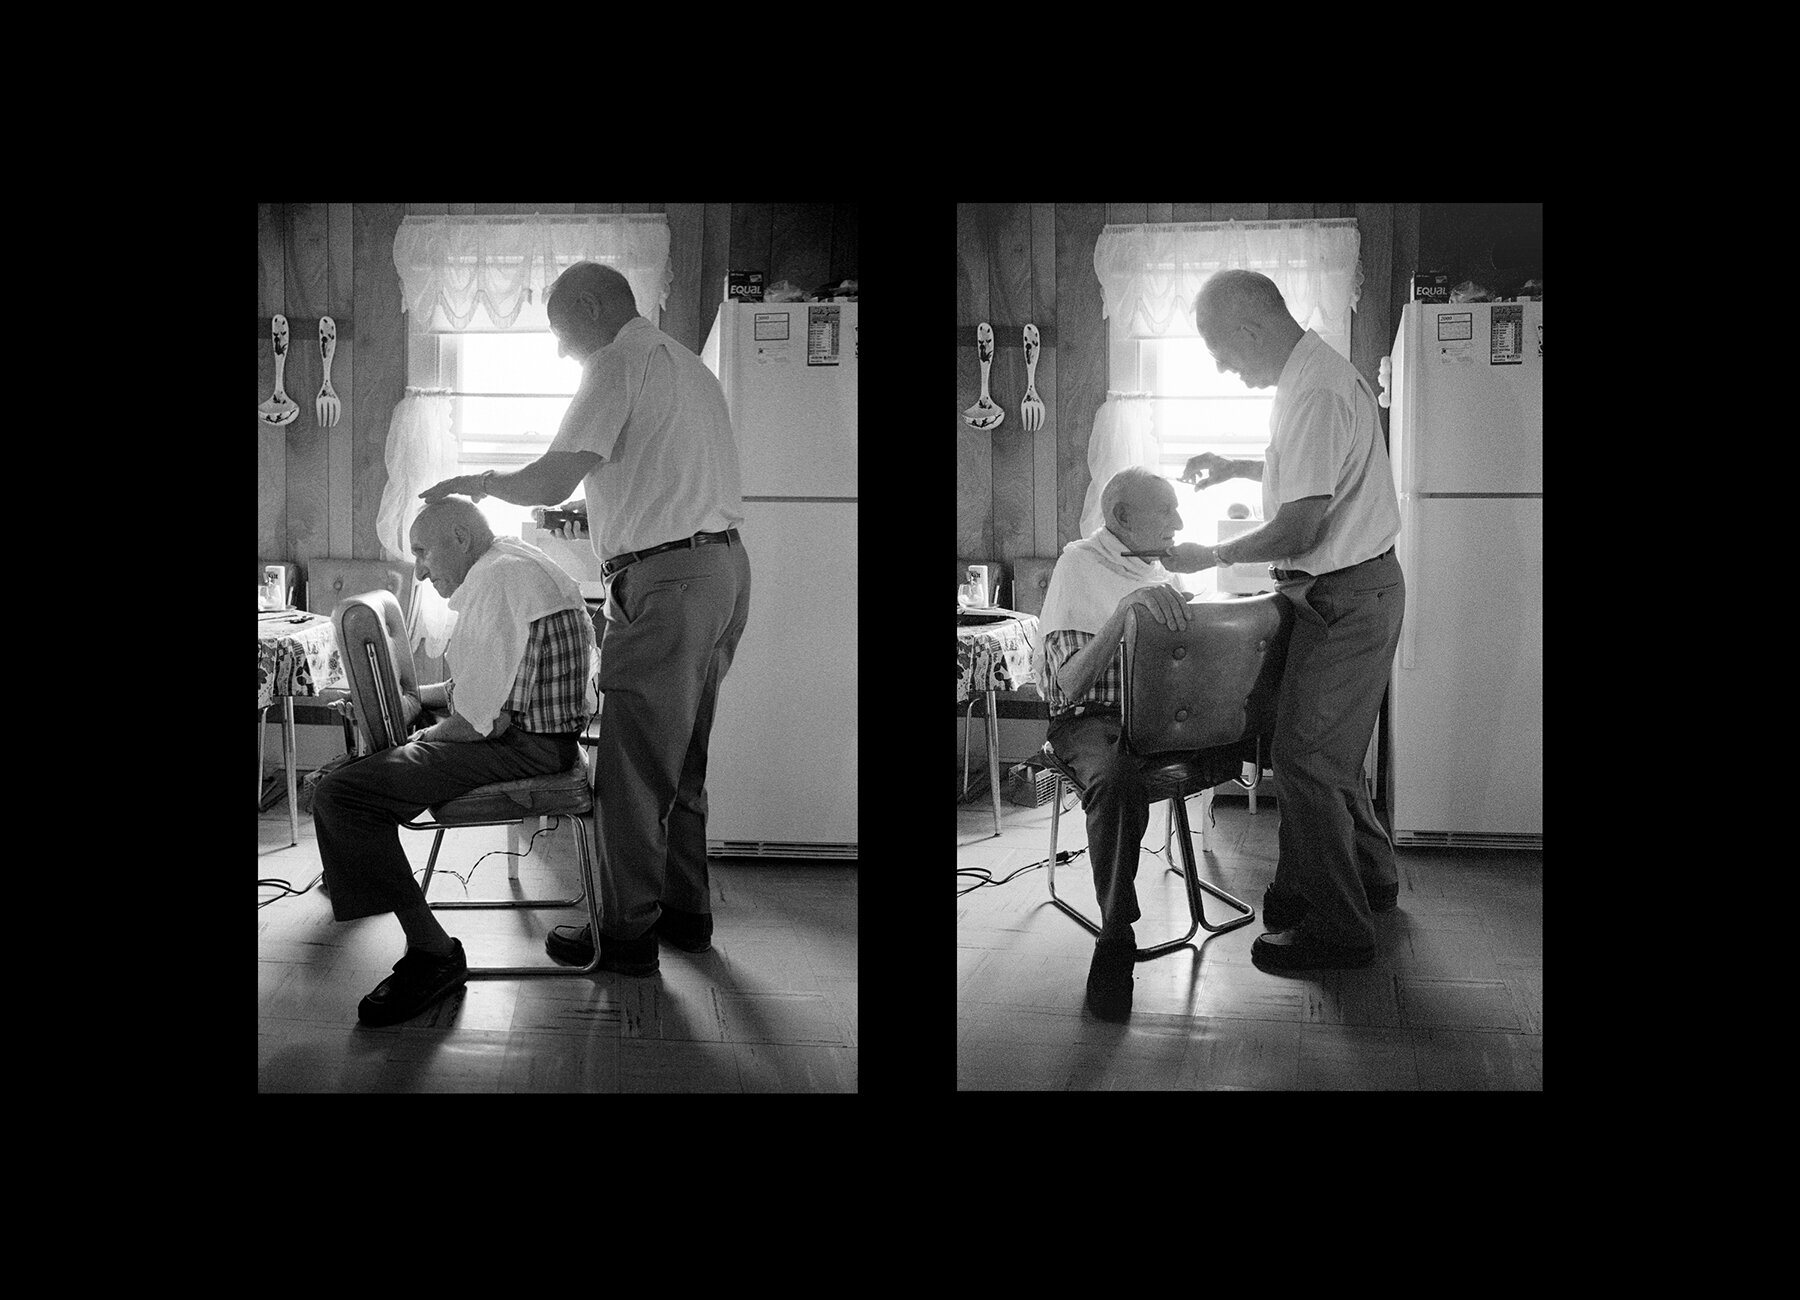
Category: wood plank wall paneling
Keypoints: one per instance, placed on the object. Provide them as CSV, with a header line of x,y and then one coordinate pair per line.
x,y
1019,495
319,491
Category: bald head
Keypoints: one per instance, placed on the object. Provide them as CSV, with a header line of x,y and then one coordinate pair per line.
x,y
595,278
440,517
448,536
1239,297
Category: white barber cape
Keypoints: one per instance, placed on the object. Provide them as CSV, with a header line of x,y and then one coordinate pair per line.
x,y
1090,579
511,586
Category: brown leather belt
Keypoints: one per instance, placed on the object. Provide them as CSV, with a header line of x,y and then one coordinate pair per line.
x,y
618,562
1294,575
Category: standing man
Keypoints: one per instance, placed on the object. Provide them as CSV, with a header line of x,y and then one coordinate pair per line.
x,y
649,438
1332,518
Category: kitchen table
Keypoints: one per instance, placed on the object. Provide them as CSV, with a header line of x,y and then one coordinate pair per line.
x,y
993,653
296,654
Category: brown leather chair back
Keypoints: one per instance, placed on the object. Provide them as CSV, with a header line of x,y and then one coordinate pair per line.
x,y
371,636
1210,685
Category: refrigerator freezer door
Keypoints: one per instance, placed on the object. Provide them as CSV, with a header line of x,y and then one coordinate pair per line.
x,y
1469,398
1467,699
789,374
781,774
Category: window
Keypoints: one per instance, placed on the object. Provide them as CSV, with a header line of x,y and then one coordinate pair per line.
x,y
508,395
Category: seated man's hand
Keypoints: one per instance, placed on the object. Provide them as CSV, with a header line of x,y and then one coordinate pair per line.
x,y
1167,605
1189,557
1207,470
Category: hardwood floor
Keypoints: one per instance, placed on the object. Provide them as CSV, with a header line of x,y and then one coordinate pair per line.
x,y
772,1008
1454,1000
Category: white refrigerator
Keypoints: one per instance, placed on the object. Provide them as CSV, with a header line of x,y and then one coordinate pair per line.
x,y
1466,704
781,771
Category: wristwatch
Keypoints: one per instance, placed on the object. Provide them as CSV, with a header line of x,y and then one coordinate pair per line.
x,y
481,484
1219,556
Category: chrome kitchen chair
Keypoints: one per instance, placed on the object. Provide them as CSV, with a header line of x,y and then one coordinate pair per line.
x,y
1198,702
371,635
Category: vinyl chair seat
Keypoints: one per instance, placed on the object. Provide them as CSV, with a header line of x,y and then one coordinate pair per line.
x,y
556,794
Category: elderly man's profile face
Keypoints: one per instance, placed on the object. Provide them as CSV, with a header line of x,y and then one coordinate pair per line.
x,y
1233,348
1150,516
578,333
440,553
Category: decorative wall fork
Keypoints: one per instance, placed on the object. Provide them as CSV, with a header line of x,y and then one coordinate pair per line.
x,y
327,405
1032,408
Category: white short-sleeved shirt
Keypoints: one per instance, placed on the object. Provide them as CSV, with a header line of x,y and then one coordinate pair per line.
x,y
1325,438
657,415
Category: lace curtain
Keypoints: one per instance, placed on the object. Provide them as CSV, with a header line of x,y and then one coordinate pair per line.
x,y
492,272
1149,277
420,452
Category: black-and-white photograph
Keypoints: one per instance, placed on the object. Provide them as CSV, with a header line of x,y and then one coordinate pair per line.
x,y
1249,604
557,740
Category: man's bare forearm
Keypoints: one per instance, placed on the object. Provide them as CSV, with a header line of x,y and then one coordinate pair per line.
x,y
549,480
527,486
1077,677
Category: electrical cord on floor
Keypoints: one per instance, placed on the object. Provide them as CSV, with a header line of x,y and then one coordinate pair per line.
x,y
555,824
285,888
984,879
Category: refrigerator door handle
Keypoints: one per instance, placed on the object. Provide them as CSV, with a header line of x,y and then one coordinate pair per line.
x,y
1409,628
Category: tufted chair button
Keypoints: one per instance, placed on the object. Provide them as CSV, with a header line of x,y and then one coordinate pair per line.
x,y
1181,715
1180,651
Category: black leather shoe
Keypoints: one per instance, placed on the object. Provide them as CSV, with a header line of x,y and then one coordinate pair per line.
x,y
1109,981
688,931
1284,911
1298,950
575,945
418,982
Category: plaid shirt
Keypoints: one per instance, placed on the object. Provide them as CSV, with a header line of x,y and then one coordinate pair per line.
x,y
1105,697
549,693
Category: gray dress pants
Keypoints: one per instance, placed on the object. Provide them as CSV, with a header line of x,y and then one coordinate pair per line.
x,y
673,622
1333,849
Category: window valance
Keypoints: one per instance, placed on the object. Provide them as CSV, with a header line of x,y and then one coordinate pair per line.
x,y
492,272
1151,274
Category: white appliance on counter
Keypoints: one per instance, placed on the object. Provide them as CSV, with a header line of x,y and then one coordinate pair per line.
x,y
781,772
1467,698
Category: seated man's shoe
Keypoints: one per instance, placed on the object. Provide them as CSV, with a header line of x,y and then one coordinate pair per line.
x,y
575,945
417,983
1383,899
1298,949
1109,980
688,931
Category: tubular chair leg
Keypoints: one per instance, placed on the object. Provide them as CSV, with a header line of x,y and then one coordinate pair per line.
x,y
585,851
1191,877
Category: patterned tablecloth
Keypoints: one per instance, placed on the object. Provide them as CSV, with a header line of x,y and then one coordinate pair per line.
x,y
995,656
296,654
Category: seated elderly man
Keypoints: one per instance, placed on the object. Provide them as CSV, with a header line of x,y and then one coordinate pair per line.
x,y
522,691
1094,583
